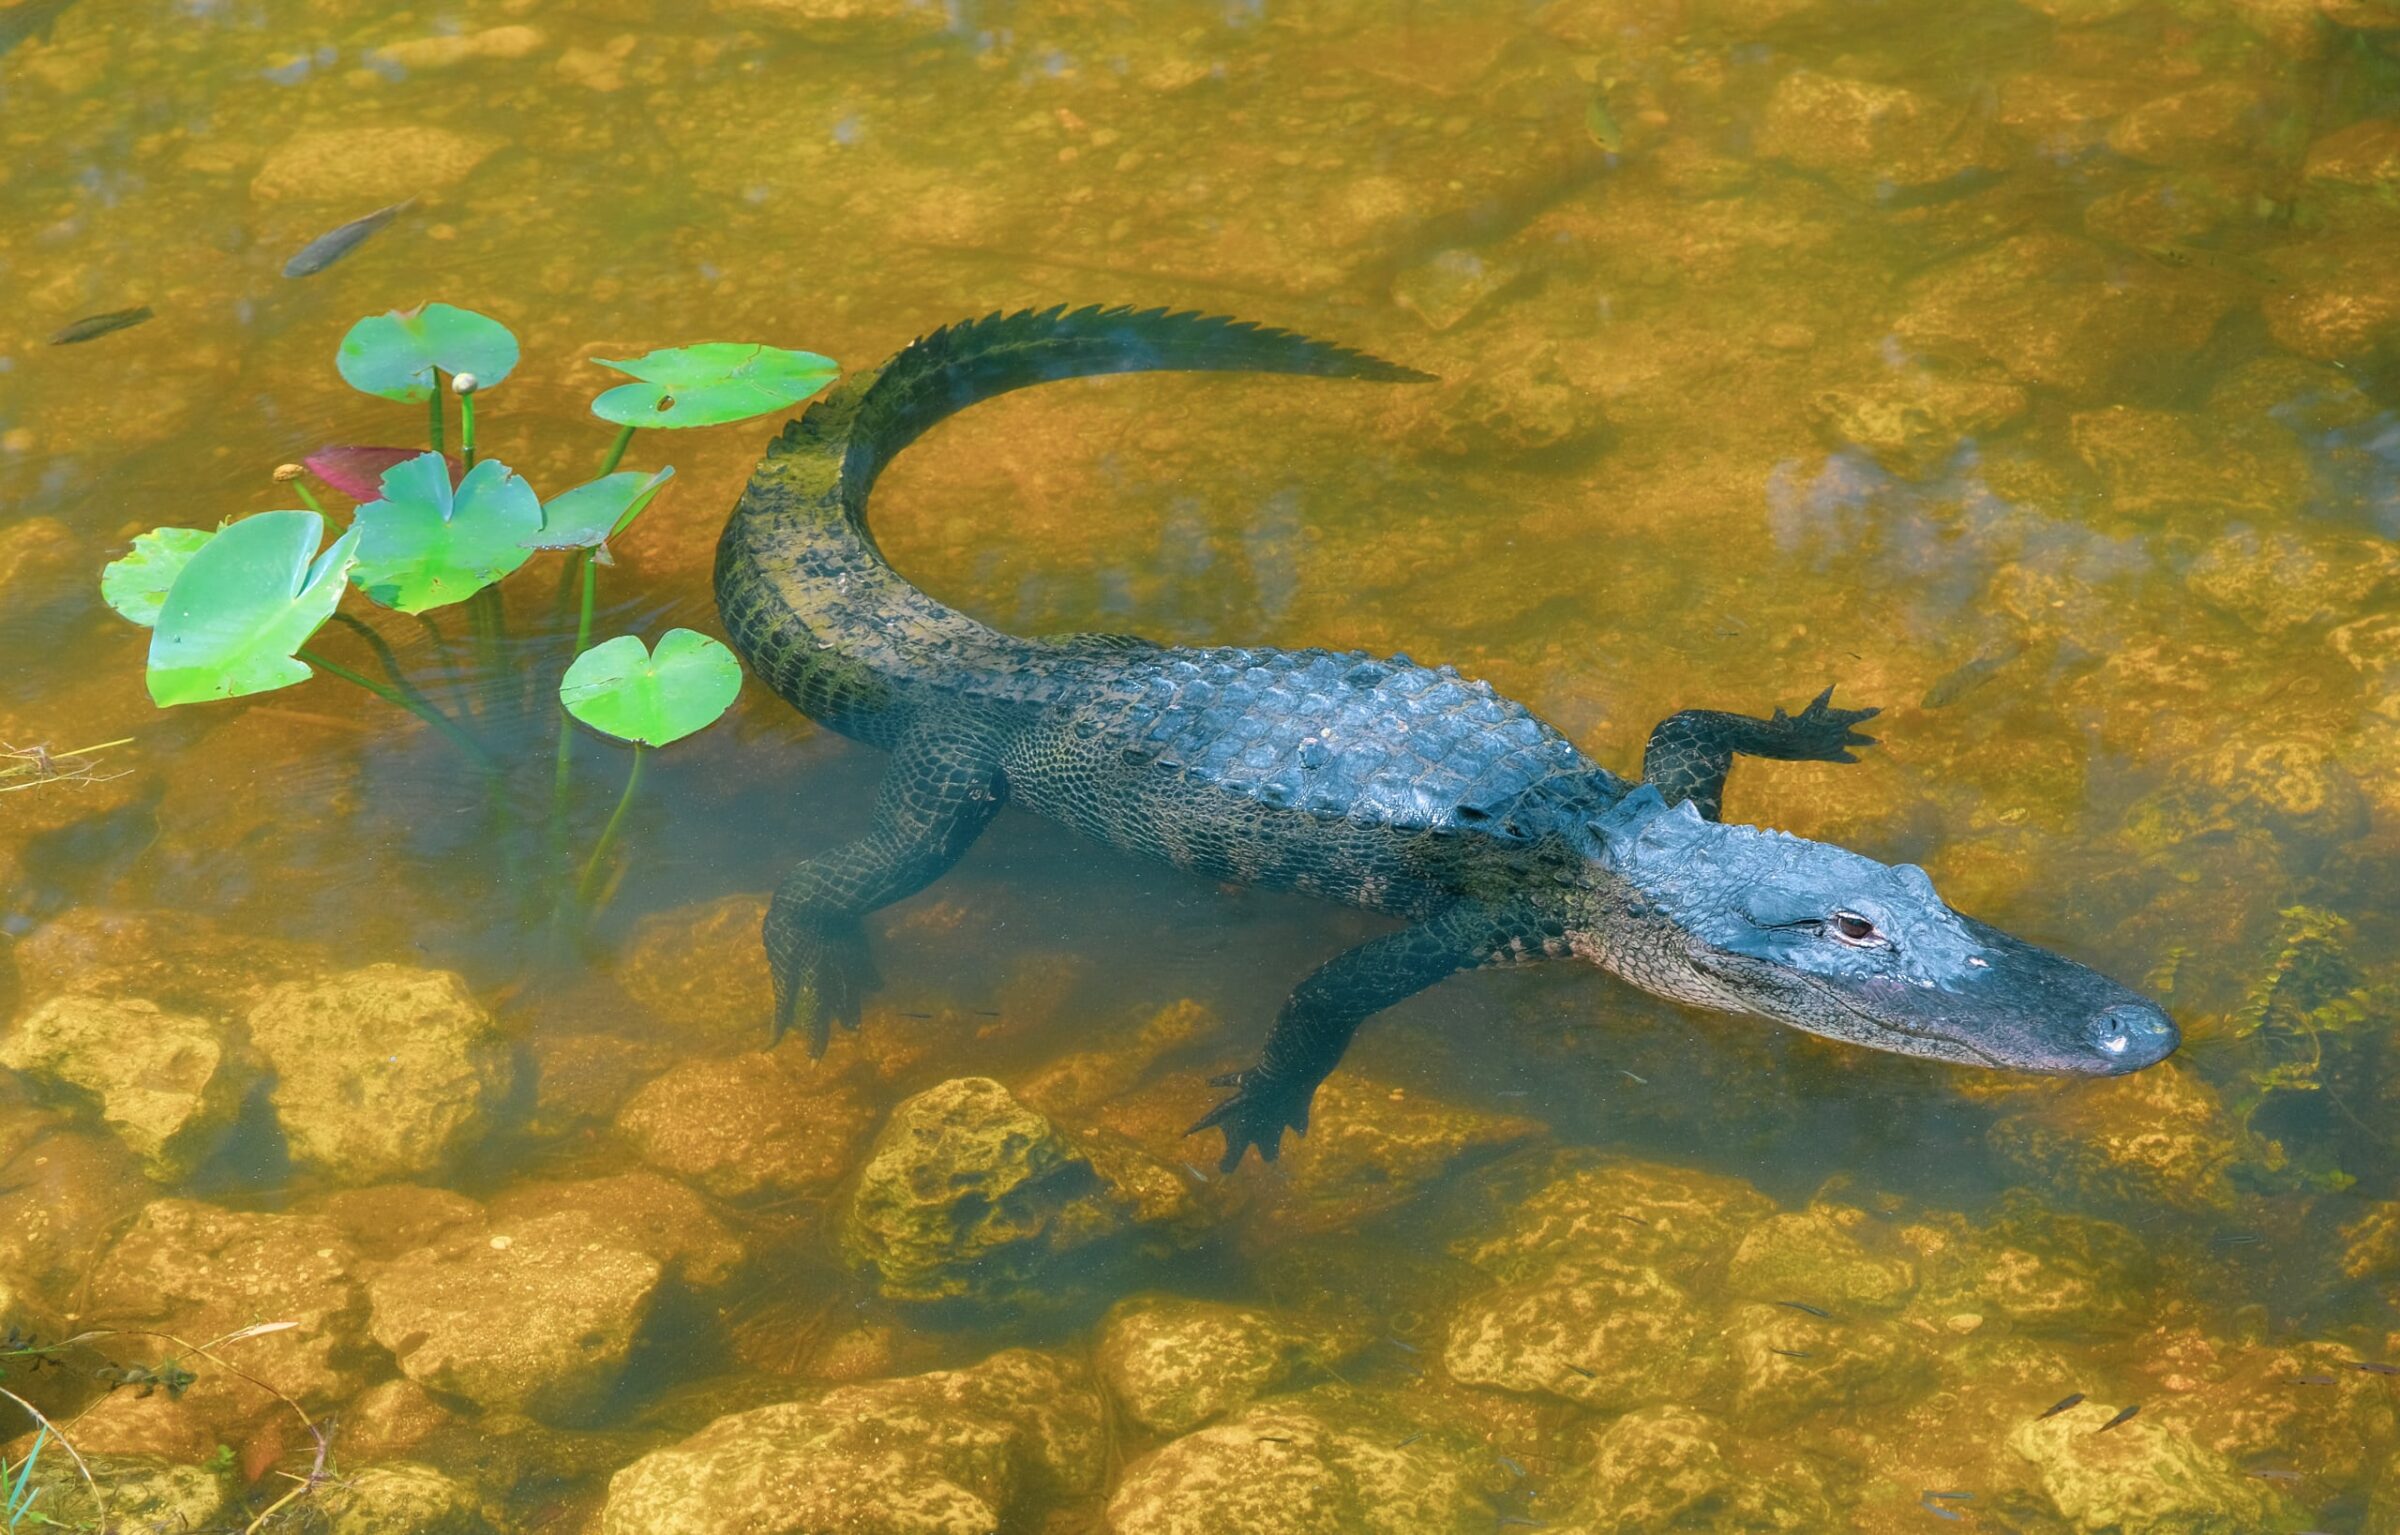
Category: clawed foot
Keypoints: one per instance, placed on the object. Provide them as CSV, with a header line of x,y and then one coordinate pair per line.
x,y
822,973
1256,1115
1820,732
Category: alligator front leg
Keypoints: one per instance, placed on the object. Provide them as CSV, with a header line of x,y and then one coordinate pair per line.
x,y
1690,753
938,795
1324,1010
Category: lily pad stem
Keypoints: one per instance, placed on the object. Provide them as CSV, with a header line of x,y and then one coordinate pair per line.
x,y
295,476
586,886
616,451
466,427
430,715
433,412
582,573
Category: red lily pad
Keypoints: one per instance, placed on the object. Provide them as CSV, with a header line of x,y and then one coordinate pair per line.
x,y
357,471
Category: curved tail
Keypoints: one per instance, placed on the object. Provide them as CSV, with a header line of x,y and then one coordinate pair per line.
x,y
810,602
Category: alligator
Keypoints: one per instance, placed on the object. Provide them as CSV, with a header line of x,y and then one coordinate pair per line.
x,y
1403,789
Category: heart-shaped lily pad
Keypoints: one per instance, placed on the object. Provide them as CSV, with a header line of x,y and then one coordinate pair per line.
x,y
137,585
620,688
425,545
394,355
711,384
357,470
591,514
245,601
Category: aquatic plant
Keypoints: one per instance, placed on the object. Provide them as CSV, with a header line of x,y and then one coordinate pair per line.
x,y
2292,1033
233,609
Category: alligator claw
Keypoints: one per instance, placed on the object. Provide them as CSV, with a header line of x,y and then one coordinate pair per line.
x,y
822,973
1822,733
1257,1114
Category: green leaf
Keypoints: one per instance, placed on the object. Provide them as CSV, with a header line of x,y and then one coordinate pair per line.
x,y
137,584
711,384
591,514
394,355
621,689
425,545
245,601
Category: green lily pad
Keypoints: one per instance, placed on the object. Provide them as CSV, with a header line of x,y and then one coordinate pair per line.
x,y
591,514
394,355
711,384
136,586
245,601
427,545
620,688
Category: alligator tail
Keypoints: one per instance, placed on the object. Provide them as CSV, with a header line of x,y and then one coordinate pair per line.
x,y
808,599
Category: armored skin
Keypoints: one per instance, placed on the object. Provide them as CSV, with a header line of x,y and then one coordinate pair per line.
x,y
1403,789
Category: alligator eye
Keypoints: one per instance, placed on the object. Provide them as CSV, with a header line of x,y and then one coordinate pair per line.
x,y
1850,927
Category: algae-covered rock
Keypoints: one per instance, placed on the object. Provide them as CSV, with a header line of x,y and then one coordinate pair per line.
x,y
1086,1078
641,1212
2337,299
1789,1365
1815,1256
968,1195
1869,138
1449,285
178,959
167,1083
2288,579
387,1421
386,1220
534,1317
2219,120
2353,175
1915,420
748,1125
1670,1468
1571,1203
62,1199
2035,1268
2156,1137
402,1498
1372,1146
1174,1363
363,163
1524,399
2144,1475
957,1452
200,1272
383,1073
144,1493
699,971
1325,1462
1601,1334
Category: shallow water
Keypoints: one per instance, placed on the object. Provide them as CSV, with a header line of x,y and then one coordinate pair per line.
x,y
2030,371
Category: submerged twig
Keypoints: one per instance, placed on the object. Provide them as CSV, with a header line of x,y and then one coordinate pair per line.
x,y
30,767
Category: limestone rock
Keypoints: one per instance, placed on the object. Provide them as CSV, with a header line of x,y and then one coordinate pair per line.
x,y
2337,299
180,960
537,1317
840,17
1869,138
1914,421
1525,399
1577,1203
2353,175
1372,1146
1175,1364
2219,120
390,1219
2037,1269
958,1452
1604,1335
1325,1462
167,1083
402,1498
381,1074
2156,1137
701,972
2288,580
2059,313
641,1212
582,1079
2161,464
200,1272
371,165
390,1420
1814,1256
2146,1474
1450,285
968,1195
1670,1468
144,1493
62,1200
762,1123
1790,1366
449,50
1089,1077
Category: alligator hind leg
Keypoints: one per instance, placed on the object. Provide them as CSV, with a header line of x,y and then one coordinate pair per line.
x,y
1690,753
938,795
1324,1010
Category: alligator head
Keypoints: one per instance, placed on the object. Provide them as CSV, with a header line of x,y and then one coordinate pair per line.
x,y
1815,936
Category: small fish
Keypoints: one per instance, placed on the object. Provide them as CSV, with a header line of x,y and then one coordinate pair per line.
x,y
916,1015
1792,1353
1274,1439
1951,1497
1959,681
93,326
986,1012
2123,1416
334,244
1801,1305
1512,1468
1630,1220
1601,124
2265,1474
2071,1399
1939,1512
2317,1380
1520,1522
1586,1374
2236,1239
1411,1439
1405,1348
2373,1368
1195,1172
1622,1072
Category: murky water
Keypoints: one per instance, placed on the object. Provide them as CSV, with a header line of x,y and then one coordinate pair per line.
x,y
2030,371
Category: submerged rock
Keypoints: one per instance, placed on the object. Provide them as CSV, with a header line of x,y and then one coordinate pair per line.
x,y
1581,1203
180,960
144,1493
391,1420
168,1084
1670,1468
1601,1334
968,1195
402,1498
2145,1474
641,1212
701,973
62,1199
1814,1255
956,1452
1372,1146
1915,421
1790,1366
2337,300
383,1073
534,1317
764,1123
2288,580
364,164
1868,138
2353,175
1174,1364
2156,1137
1450,285
1331,1461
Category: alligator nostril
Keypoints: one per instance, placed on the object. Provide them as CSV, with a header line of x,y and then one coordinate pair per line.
x,y
2134,1034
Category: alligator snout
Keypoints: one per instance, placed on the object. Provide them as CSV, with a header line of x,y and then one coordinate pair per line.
x,y
2132,1035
